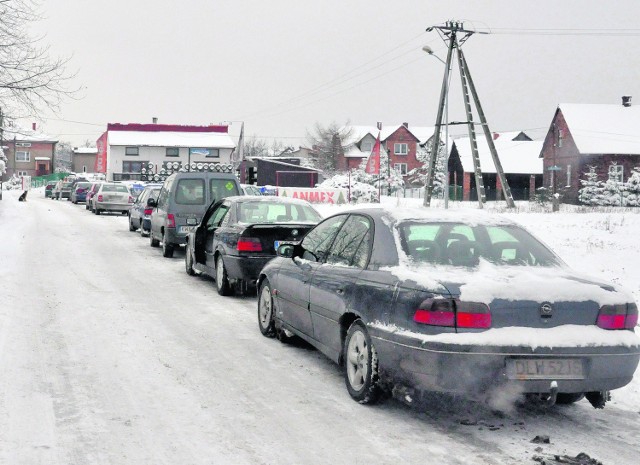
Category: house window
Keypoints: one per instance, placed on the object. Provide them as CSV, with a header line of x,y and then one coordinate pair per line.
x,y
366,147
133,151
23,173
400,168
560,137
23,144
568,175
173,152
133,166
616,173
205,152
23,157
84,168
401,149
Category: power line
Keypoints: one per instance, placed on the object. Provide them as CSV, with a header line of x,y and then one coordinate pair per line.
x,y
342,78
565,32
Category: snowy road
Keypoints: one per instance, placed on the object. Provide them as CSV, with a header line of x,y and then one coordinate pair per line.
x,y
112,354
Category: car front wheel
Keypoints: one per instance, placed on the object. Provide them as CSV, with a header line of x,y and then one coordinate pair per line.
x,y
131,226
266,311
222,280
361,365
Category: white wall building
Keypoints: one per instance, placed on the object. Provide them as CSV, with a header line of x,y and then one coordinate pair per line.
x,y
124,150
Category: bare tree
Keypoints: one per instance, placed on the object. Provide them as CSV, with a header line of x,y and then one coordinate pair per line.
x,y
30,79
329,143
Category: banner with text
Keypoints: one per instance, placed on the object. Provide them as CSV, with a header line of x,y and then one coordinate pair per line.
x,y
314,195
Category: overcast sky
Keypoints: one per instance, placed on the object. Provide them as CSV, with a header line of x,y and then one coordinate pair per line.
x,y
283,65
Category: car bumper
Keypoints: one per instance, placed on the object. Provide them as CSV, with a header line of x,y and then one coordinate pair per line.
x,y
245,268
107,206
467,369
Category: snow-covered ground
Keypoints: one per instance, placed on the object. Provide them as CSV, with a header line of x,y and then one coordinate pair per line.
x,y
112,354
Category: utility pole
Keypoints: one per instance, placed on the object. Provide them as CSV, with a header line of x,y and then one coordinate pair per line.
x,y
450,33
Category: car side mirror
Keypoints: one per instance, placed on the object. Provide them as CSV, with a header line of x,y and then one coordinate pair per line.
x,y
285,250
152,203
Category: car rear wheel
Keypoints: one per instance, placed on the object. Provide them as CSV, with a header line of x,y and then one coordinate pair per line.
x,y
266,313
97,211
152,241
222,280
565,398
188,261
167,247
361,365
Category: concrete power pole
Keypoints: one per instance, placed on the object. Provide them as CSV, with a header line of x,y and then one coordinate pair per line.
x,y
450,33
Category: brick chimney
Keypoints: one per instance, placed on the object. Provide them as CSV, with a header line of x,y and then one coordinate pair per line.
x,y
33,126
154,120
406,125
496,135
626,100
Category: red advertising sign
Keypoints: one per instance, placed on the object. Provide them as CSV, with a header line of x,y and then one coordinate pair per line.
x,y
100,165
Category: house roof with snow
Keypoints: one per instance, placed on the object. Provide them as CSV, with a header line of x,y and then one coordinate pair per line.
x,y
85,150
26,135
516,156
603,129
169,135
421,133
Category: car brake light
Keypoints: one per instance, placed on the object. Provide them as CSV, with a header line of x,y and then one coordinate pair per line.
x,y
473,315
249,244
618,316
148,211
100,198
171,220
446,312
436,312
130,199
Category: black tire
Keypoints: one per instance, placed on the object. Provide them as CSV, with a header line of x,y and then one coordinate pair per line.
x,y
222,279
188,261
361,365
167,247
97,211
566,398
152,241
131,226
266,310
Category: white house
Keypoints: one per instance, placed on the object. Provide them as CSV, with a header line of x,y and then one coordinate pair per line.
x,y
124,150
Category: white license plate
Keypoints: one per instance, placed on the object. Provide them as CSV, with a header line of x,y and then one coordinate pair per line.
x,y
187,229
277,244
548,368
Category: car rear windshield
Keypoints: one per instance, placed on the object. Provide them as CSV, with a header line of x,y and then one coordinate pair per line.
x,y
276,212
190,192
460,244
222,188
66,184
83,185
115,188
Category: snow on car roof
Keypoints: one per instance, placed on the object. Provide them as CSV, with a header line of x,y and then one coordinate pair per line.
x,y
469,217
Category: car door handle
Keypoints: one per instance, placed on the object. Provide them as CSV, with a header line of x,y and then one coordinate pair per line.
x,y
340,290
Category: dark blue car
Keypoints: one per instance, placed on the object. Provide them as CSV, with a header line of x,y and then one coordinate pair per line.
x,y
79,192
449,301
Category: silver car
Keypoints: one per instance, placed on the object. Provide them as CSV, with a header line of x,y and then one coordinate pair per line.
x,y
113,197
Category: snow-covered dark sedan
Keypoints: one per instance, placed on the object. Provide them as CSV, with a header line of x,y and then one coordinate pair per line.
x,y
238,235
449,301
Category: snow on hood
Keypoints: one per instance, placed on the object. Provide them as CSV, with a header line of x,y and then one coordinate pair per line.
x,y
488,282
559,336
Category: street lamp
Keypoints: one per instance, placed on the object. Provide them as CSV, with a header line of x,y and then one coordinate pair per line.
x,y
429,51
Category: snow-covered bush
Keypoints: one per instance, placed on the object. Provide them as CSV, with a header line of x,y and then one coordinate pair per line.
x,y
423,155
591,191
360,191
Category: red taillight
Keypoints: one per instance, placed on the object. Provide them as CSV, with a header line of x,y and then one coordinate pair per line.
x,y
148,211
171,220
249,244
100,198
130,199
473,315
436,312
618,316
446,312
